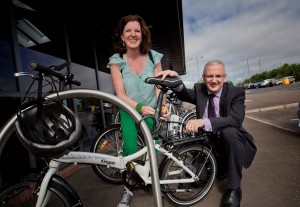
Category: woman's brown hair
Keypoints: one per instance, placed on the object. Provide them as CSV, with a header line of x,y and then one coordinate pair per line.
x,y
146,35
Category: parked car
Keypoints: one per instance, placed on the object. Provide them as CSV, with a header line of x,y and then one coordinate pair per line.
x,y
271,82
291,79
263,84
278,81
267,83
246,86
254,85
286,80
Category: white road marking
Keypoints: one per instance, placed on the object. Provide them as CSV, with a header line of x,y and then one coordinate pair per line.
x,y
280,127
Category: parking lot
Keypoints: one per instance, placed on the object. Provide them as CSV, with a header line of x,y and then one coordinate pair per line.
x,y
273,179
271,82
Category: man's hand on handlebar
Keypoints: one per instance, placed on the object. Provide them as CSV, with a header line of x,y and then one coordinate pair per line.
x,y
193,125
166,73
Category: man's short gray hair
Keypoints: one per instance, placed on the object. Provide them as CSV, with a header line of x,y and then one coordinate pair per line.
x,y
214,62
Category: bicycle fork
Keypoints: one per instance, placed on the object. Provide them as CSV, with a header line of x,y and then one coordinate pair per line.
x,y
53,166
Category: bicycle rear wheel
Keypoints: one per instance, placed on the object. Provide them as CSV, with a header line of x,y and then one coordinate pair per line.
x,y
198,159
110,142
24,192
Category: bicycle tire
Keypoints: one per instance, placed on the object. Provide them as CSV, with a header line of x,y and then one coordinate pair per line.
x,y
24,192
110,142
195,157
191,114
171,108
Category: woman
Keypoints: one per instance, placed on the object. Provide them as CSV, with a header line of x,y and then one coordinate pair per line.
x,y
129,67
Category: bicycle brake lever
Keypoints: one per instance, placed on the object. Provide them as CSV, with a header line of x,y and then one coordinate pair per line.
x,y
23,74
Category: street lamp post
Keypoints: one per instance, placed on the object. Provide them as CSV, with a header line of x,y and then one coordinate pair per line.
x,y
197,64
248,70
259,64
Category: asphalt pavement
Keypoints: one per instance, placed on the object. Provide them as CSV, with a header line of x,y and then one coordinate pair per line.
x,y
273,179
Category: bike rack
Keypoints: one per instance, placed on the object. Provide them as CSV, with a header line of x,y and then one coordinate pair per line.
x,y
8,128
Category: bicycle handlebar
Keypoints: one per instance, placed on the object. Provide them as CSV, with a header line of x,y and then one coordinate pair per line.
x,y
60,67
49,71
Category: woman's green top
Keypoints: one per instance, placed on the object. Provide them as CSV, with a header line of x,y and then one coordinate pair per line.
x,y
135,85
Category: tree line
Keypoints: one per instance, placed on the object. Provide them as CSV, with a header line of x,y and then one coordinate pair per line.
x,y
283,71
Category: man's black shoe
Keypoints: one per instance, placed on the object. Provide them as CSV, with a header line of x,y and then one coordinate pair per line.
x,y
232,198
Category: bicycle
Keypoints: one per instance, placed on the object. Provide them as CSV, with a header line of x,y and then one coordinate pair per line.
x,y
110,141
175,126
187,172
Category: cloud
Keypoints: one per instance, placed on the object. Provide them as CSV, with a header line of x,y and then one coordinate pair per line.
x,y
260,31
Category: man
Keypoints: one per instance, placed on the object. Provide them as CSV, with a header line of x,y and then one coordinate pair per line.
x,y
225,120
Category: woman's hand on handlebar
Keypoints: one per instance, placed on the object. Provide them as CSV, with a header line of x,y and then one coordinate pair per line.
x,y
147,110
166,73
164,113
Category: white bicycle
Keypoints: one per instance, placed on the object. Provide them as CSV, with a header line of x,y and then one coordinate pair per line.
x,y
186,173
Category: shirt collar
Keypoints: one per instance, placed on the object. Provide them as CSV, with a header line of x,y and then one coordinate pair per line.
x,y
217,94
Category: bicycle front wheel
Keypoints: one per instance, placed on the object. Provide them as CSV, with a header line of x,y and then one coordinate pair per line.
x,y
110,142
24,192
191,114
200,160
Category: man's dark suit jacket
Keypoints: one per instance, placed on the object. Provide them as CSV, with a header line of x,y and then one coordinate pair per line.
x,y
232,112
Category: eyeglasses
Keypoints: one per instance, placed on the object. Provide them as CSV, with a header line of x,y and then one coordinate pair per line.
x,y
212,76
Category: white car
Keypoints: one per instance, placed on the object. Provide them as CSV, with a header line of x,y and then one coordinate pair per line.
x,y
279,81
272,81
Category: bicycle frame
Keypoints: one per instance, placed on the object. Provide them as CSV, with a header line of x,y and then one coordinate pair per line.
x,y
119,162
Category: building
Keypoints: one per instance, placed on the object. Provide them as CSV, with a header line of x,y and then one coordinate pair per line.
x,y
51,32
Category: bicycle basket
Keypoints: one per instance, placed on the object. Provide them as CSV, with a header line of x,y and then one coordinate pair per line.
x,y
47,127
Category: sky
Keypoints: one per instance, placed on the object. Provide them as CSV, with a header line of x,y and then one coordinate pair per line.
x,y
264,33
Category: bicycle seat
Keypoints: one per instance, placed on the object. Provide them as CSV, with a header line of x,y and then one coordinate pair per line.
x,y
170,82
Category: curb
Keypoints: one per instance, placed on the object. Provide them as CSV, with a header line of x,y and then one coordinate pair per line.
x,y
284,106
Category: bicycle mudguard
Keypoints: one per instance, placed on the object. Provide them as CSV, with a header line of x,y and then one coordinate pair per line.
x,y
57,180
